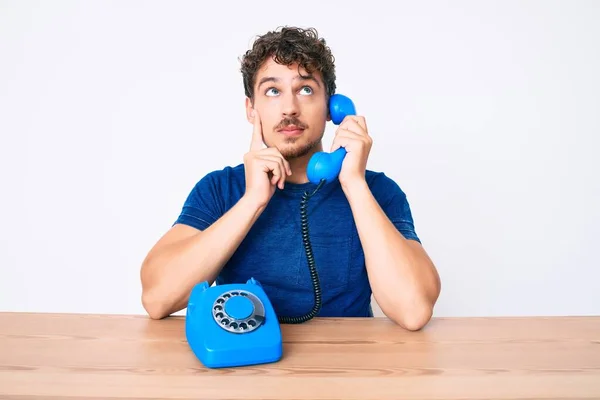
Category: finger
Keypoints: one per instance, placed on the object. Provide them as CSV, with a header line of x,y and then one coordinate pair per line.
x,y
354,125
271,167
347,139
257,142
362,122
284,171
274,152
275,166
364,139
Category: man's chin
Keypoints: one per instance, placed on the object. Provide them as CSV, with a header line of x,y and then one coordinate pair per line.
x,y
297,151
297,148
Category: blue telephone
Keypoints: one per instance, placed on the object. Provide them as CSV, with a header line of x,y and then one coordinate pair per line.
x,y
235,324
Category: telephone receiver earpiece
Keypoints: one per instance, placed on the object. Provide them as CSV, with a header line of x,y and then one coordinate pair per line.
x,y
325,166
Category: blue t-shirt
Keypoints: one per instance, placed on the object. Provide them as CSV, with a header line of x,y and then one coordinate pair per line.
x,y
273,253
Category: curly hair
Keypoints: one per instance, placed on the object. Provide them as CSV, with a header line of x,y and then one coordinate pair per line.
x,y
289,45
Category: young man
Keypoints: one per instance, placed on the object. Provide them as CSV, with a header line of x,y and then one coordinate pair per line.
x,y
244,221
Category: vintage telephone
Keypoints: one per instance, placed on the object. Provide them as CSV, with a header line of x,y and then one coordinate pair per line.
x,y
235,324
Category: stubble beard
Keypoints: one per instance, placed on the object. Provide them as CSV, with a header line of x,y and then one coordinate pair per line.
x,y
290,153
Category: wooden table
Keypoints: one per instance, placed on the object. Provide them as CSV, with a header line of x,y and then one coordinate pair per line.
x,y
58,356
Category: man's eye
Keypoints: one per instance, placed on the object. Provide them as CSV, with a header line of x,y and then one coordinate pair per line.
x,y
272,92
306,90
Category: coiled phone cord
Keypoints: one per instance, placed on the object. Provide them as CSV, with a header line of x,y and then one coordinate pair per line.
x,y
314,277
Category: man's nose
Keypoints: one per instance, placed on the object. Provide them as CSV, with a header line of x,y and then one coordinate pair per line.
x,y
290,105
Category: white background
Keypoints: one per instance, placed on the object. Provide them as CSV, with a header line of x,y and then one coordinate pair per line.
x,y
486,113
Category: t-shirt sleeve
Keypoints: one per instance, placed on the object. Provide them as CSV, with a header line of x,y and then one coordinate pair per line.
x,y
395,204
202,206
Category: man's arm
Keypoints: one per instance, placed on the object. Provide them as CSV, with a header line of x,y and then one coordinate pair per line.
x,y
185,256
403,279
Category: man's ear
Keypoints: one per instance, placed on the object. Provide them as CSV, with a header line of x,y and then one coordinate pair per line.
x,y
249,110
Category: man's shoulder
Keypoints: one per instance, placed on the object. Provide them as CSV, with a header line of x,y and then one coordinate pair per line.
x,y
212,195
226,182
226,173
381,184
220,179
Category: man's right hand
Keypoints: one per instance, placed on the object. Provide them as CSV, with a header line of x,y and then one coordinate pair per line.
x,y
265,167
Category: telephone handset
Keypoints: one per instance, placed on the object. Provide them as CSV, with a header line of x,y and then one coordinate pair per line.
x,y
327,166
235,324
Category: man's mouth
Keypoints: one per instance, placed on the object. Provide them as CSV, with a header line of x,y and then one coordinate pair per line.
x,y
292,130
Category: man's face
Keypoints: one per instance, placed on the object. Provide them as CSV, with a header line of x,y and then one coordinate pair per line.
x,y
293,110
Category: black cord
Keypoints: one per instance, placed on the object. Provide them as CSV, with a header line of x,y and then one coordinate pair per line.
x,y
314,277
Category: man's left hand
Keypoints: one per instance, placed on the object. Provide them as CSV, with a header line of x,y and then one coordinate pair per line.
x,y
353,135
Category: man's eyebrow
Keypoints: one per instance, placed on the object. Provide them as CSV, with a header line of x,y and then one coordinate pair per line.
x,y
267,79
309,78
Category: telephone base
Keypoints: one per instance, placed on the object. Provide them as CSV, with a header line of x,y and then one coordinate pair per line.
x,y
232,325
